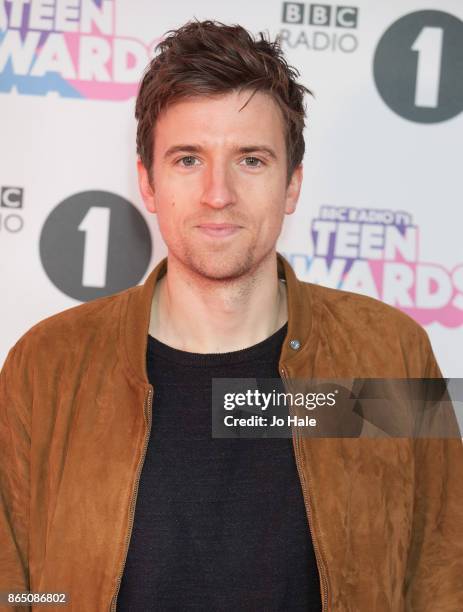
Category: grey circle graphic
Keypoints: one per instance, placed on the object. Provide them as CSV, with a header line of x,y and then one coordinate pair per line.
x,y
418,66
93,244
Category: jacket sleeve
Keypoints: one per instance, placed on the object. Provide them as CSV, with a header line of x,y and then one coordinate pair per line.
x,y
434,581
14,477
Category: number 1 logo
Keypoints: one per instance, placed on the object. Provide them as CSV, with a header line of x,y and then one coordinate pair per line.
x,y
95,243
417,66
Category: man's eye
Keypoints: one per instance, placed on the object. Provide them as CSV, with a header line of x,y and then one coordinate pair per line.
x,y
252,162
188,161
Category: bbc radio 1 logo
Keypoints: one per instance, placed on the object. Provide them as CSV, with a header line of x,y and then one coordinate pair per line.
x,y
418,66
11,204
93,244
319,27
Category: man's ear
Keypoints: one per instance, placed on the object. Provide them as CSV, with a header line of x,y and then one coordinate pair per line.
x,y
146,189
293,190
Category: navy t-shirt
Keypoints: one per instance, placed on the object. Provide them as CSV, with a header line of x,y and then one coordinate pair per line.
x,y
220,524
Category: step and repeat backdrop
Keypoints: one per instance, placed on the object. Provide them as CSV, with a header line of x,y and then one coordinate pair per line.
x,y
381,210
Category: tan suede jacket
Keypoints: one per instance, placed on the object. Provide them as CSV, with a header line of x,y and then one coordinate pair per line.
x,y
386,515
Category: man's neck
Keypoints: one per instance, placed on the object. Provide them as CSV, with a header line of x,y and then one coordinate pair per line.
x,y
201,315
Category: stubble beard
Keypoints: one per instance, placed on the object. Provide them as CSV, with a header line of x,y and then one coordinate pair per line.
x,y
225,265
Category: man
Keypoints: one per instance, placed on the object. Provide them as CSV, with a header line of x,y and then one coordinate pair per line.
x,y
113,489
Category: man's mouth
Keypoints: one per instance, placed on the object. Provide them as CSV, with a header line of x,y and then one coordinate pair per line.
x,y
219,230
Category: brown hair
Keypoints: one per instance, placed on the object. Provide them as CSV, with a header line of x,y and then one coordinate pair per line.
x,y
208,58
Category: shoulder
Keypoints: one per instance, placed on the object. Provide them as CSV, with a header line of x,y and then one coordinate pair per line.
x,y
76,325
62,346
377,331
356,309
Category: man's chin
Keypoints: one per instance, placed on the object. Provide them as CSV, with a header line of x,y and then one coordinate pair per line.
x,y
221,268
227,274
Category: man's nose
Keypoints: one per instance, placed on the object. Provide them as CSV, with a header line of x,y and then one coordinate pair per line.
x,y
218,187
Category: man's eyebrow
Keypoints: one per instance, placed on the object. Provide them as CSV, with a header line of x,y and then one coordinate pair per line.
x,y
191,148
183,148
258,149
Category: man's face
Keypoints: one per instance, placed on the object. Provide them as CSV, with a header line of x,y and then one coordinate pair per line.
x,y
220,182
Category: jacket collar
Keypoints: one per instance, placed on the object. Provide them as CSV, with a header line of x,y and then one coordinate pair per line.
x,y
136,311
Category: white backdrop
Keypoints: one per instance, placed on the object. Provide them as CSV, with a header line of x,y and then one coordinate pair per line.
x,y
380,211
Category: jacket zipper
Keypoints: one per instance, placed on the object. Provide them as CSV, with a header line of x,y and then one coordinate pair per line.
x,y
147,410
308,506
